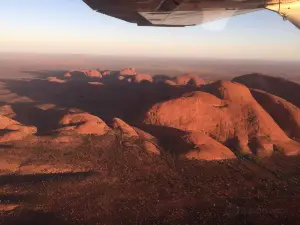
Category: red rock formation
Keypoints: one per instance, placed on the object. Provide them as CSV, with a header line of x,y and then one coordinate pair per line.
x,y
56,80
169,82
127,72
7,111
12,130
126,130
203,147
145,140
83,74
139,78
106,73
82,123
189,79
92,73
68,74
228,113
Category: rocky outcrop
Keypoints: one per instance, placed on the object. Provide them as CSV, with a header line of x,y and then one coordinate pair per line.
x,y
142,78
56,80
7,111
92,73
82,123
169,82
135,135
127,72
189,79
81,74
123,128
11,130
202,147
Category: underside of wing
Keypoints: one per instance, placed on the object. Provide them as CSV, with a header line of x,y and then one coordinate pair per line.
x,y
189,18
173,13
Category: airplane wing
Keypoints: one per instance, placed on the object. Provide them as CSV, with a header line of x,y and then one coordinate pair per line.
x,y
176,18
173,13
180,13
190,18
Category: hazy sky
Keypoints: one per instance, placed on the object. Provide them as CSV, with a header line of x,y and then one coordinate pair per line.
x,y
70,26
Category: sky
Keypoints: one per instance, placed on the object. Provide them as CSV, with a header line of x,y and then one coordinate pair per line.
x,y
71,27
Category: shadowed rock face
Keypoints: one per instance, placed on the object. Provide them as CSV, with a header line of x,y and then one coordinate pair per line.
x,y
280,87
161,78
285,114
